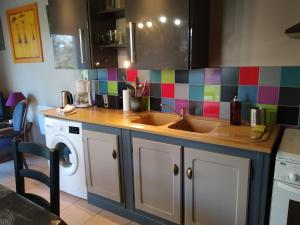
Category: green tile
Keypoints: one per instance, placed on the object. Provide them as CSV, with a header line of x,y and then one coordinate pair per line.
x,y
168,76
112,87
290,77
212,93
271,117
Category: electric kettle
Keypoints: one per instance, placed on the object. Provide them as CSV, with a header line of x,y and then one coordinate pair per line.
x,y
65,98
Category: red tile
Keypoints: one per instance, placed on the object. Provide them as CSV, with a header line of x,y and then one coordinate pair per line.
x,y
211,109
167,90
131,75
249,75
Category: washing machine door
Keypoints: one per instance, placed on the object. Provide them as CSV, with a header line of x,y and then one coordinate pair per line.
x,y
67,155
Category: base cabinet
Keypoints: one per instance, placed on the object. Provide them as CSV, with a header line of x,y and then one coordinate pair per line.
x,y
157,178
101,154
216,188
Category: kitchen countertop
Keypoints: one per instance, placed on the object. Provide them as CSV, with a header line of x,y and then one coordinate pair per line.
x,y
224,134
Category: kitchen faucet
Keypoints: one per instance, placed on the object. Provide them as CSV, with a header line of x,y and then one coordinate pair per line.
x,y
181,114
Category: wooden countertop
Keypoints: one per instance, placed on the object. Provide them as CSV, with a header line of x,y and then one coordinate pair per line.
x,y
224,134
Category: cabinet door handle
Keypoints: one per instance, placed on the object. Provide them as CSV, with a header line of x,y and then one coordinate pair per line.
x,y
189,173
131,41
81,45
175,170
114,154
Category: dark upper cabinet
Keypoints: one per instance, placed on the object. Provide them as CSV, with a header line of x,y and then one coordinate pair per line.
x,y
167,34
69,29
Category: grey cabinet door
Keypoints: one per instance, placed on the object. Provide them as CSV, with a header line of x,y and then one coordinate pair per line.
x,y
68,24
102,164
159,35
216,188
157,178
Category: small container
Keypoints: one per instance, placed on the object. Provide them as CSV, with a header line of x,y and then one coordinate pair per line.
x,y
235,111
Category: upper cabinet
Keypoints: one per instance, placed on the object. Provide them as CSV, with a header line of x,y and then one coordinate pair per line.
x,y
167,34
68,24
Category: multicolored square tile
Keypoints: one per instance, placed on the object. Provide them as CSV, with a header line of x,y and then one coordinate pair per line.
x,y
228,93
268,95
249,75
269,76
168,101
288,115
196,108
181,91
230,76
168,76
155,76
225,110
196,76
196,92
103,87
211,109
121,73
155,90
112,87
102,75
143,75
167,90
289,96
112,74
212,93
212,76
247,94
290,77
131,75
181,76
246,110
155,104
181,104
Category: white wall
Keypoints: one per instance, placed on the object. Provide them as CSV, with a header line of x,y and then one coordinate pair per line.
x,y
251,33
40,81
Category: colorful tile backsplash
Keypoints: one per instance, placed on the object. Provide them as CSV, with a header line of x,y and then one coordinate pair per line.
x,y
208,91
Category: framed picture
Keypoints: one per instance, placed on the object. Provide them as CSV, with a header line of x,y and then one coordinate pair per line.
x,y
25,37
2,47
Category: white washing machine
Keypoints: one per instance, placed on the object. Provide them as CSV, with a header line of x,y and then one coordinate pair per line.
x,y
67,137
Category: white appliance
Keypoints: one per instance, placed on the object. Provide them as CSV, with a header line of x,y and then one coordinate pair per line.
x,y
285,207
83,95
67,137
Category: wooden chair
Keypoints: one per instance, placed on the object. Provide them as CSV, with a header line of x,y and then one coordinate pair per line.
x,y
52,181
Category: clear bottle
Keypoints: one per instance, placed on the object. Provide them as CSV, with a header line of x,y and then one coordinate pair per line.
x,y
235,111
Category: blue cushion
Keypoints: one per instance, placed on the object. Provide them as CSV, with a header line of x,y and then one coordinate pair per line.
x,y
5,142
18,116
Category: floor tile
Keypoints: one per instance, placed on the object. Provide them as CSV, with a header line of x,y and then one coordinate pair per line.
x,y
83,204
75,216
115,218
99,219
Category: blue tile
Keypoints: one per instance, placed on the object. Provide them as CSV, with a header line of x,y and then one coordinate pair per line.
x,y
196,92
102,74
196,76
290,77
230,76
168,101
247,94
155,76
103,87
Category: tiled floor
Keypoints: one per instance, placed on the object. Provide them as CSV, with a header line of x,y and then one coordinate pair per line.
x,y
74,211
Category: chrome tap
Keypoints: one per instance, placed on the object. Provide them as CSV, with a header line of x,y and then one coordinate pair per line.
x,y
181,114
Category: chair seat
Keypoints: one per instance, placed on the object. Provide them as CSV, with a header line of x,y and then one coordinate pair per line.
x,y
6,147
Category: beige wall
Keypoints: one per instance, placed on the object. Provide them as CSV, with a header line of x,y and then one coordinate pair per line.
x,y
40,81
251,33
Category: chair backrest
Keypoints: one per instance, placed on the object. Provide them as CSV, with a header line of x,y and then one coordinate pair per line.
x,y
52,181
2,112
19,116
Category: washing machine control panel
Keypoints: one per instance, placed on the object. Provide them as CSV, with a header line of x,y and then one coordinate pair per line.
x,y
73,130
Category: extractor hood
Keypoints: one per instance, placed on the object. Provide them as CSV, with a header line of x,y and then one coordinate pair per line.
x,y
293,31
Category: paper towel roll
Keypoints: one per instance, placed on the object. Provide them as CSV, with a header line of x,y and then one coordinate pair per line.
x,y
126,100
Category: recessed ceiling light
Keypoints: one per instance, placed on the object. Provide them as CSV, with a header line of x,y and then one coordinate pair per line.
x,y
140,25
149,24
126,64
177,22
163,19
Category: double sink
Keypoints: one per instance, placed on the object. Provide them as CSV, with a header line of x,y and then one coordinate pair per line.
x,y
203,126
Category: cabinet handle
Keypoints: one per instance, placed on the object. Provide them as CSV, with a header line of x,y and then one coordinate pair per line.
x,y
82,58
175,170
189,173
114,154
131,42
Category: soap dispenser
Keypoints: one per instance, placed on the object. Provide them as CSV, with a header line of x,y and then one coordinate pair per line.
x,y
235,111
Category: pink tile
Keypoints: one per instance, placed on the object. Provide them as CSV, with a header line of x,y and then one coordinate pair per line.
x,y
212,76
211,109
112,74
131,75
268,95
249,75
181,104
167,90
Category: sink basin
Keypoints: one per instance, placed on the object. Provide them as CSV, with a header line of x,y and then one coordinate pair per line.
x,y
195,125
157,119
